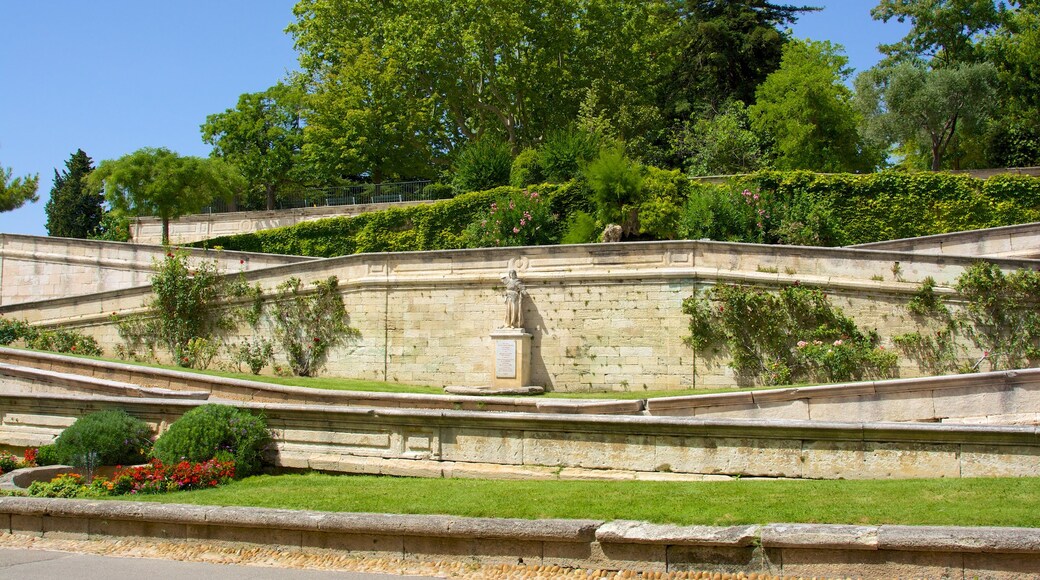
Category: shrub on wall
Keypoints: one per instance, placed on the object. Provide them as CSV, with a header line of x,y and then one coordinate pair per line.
x,y
519,218
308,324
57,340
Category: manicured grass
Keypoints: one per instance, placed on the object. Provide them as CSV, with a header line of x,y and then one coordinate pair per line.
x,y
1011,502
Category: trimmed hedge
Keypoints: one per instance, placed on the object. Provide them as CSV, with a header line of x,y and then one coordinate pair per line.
x,y
797,207
436,226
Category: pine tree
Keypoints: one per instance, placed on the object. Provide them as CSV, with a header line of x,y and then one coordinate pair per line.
x,y
74,209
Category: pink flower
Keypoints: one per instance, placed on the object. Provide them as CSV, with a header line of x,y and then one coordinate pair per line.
x,y
516,230
523,222
838,342
755,197
802,344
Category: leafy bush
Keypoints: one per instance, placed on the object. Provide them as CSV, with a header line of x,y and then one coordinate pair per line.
x,y
215,431
309,324
47,455
565,154
256,353
58,340
67,485
8,462
526,169
438,191
791,335
482,165
104,438
582,229
520,218
616,183
188,307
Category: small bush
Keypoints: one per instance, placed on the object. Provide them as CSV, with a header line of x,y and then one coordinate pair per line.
x,y
47,455
616,183
438,191
519,218
102,438
66,485
582,229
215,431
58,340
526,170
482,165
565,154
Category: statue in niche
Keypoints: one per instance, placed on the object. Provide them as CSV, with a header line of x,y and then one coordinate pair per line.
x,y
514,299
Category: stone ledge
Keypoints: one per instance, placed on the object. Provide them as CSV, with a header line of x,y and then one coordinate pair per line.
x,y
635,532
957,539
820,536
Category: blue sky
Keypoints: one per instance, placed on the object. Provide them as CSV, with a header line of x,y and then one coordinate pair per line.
x,y
112,76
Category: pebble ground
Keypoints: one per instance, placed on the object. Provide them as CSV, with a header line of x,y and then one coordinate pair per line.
x,y
331,560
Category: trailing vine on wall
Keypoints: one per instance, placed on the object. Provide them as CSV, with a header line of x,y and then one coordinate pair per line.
x,y
792,335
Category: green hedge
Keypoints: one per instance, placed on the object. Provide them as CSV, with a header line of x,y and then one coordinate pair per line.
x,y
797,207
436,226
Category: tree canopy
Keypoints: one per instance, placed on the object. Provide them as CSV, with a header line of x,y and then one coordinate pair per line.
x,y
14,193
159,182
262,137
74,209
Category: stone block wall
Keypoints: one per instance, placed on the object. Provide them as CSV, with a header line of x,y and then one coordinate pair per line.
x,y
36,268
603,317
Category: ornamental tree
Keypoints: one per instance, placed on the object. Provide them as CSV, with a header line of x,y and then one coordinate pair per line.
x,y
74,209
159,182
15,192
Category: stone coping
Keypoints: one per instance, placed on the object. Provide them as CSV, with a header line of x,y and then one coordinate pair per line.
x,y
982,235
593,424
955,539
75,382
994,380
240,389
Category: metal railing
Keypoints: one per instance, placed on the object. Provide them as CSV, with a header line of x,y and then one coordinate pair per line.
x,y
360,194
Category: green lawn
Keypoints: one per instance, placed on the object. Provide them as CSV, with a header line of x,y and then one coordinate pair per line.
x,y
341,384
965,502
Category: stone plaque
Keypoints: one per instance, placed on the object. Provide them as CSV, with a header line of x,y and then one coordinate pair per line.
x,y
505,359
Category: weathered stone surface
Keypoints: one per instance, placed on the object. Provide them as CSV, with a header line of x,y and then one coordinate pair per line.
x,y
819,536
635,532
949,539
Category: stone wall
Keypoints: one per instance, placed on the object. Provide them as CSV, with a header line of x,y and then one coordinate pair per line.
x,y
1019,241
603,317
36,268
449,443
193,228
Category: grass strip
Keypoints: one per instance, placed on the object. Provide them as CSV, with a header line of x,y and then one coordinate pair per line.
x,y
1009,502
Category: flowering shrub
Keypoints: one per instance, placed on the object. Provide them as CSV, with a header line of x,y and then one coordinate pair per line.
x,y
65,485
157,477
8,462
791,335
308,324
215,431
520,218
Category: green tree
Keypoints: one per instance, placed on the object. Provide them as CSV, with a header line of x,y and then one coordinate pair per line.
x,y
262,137
727,50
74,209
909,104
946,31
424,76
721,144
15,192
807,110
159,182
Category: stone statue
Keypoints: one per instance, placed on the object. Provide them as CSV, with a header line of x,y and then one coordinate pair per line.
x,y
514,299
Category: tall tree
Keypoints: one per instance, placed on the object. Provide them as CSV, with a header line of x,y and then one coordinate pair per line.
x,y
727,50
159,182
944,31
455,71
807,111
74,209
262,137
15,192
720,144
908,103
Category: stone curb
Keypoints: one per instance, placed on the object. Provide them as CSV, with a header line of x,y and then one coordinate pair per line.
x,y
798,536
97,385
266,518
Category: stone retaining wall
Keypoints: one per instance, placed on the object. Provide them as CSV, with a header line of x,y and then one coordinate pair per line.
x,y
1019,241
803,550
1003,397
193,228
448,443
604,317
36,268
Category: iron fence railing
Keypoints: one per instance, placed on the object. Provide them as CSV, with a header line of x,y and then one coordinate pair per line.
x,y
344,195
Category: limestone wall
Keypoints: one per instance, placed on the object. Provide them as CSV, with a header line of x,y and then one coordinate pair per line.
x,y
39,268
449,443
603,317
193,228
1019,241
